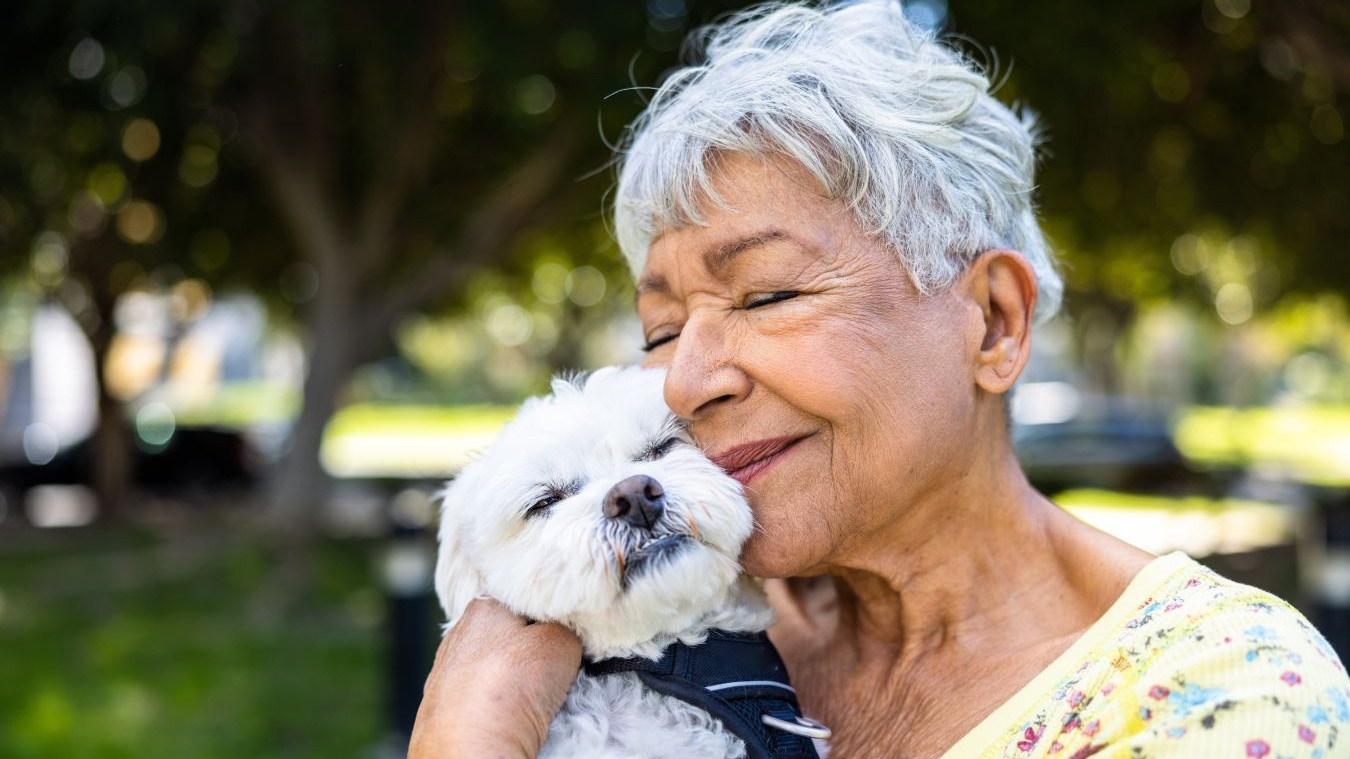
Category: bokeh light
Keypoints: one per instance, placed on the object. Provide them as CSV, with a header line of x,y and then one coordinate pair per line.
x,y
155,425
86,60
509,324
536,94
585,285
125,88
189,299
108,184
198,166
550,282
50,256
140,140
140,222
1190,254
1233,302
40,443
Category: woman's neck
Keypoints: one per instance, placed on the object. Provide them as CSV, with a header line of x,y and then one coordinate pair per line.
x,y
969,578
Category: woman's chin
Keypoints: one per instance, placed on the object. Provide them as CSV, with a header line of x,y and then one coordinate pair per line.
x,y
765,557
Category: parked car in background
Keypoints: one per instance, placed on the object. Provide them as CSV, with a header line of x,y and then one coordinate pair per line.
x,y
1065,441
192,463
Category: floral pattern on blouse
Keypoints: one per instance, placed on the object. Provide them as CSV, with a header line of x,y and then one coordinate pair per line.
x,y
1200,667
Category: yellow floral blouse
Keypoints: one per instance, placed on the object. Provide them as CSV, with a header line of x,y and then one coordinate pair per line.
x,y
1185,665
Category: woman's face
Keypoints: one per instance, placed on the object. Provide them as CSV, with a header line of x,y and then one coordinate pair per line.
x,y
811,368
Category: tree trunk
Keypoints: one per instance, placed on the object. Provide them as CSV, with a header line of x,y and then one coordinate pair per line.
x,y
112,462
111,467
302,487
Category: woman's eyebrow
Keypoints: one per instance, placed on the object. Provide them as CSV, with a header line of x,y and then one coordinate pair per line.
x,y
720,258
652,283
716,259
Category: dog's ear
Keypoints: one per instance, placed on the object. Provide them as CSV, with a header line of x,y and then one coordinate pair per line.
x,y
457,580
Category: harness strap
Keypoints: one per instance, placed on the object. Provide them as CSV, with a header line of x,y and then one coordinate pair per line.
x,y
736,677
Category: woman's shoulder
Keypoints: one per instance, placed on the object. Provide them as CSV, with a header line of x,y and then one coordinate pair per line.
x,y
1186,663
1193,614
1215,665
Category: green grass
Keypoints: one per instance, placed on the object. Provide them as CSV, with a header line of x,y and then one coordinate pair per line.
x,y
125,645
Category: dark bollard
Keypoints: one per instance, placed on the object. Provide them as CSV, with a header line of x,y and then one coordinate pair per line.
x,y
1333,573
407,569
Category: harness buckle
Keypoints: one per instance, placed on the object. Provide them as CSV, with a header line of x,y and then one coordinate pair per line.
x,y
804,726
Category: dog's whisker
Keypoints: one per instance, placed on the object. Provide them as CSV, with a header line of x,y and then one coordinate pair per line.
x,y
618,555
703,508
693,526
604,562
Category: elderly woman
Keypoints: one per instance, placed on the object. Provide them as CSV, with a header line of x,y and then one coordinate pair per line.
x,y
838,261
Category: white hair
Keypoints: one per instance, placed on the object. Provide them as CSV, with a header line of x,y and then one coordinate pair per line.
x,y
891,122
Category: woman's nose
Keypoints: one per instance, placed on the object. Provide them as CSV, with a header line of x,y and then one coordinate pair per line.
x,y
703,373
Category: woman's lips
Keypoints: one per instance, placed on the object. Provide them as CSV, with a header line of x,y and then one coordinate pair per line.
x,y
745,462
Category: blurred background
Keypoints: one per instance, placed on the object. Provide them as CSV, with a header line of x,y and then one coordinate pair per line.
x,y
270,271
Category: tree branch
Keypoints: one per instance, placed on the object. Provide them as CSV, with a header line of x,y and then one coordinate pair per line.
x,y
492,227
289,110
299,193
414,143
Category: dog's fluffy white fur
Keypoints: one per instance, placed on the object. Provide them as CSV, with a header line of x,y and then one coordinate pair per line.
x,y
526,524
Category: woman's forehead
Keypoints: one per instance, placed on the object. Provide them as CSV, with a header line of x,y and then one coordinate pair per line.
x,y
760,202
715,257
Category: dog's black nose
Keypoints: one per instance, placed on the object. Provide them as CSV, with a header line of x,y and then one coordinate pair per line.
x,y
637,500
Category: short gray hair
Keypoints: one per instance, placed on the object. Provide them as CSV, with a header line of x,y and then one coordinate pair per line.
x,y
892,122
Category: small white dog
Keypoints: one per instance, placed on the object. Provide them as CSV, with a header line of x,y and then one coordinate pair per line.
x,y
593,509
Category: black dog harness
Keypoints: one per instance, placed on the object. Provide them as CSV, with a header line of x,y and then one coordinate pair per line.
x,y
739,679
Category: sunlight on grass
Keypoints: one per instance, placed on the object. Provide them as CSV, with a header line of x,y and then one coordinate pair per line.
x,y
1197,525
374,440
1310,444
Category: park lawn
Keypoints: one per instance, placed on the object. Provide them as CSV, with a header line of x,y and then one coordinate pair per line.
x,y
115,643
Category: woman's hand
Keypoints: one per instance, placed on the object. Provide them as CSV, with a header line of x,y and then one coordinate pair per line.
x,y
496,685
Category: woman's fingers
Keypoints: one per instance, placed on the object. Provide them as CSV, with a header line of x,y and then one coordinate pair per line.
x,y
497,682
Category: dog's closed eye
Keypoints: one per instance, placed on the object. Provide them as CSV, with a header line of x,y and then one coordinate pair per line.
x,y
657,450
549,495
540,507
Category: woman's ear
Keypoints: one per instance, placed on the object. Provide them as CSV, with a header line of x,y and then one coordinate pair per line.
x,y
1003,285
457,581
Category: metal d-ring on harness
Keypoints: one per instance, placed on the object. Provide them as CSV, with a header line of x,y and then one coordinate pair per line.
x,y
739,679
803,726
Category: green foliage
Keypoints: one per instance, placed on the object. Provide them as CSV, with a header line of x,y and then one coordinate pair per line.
x,y
1173,117
1164,118
114,152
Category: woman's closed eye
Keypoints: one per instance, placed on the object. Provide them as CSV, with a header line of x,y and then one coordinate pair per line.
x,y
657,342
756,300
765,299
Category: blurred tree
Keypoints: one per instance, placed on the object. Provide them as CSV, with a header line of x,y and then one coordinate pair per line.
x,y
110,178
1196,149
408,147
401,150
